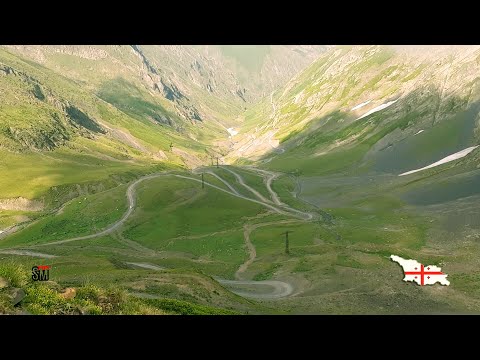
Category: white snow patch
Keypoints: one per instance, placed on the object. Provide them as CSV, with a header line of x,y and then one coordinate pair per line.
x,y
232,132
378,108
360,105
447,159
419,131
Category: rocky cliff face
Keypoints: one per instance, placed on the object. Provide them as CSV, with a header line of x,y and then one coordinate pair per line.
x,y
33,117
197,83
239,74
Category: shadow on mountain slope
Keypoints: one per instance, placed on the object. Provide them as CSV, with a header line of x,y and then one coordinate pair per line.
x,y
397,139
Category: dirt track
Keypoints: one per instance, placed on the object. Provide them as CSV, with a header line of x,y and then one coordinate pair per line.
x,y
27,253
131,207
278,288
252,252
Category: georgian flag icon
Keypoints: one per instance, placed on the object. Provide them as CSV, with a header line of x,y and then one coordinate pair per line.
x,y
422,275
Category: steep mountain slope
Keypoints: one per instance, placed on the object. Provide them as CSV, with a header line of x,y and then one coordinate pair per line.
x,y
342,159
145,104
346,136
367,103
207,84
83,114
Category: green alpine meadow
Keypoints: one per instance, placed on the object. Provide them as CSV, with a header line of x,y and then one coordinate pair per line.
x,y
238,179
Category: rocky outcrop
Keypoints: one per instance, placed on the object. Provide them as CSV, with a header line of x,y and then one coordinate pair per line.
x,y
47,134
145,60
34,138
38,92
241,94
16,295
3,283
68,293
168,89
79,118
170,92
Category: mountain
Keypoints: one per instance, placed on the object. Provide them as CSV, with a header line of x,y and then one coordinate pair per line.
x,y
323,114
255,179
200,82
140,105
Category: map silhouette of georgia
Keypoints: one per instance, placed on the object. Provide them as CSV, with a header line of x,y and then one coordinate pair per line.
x,y
422,275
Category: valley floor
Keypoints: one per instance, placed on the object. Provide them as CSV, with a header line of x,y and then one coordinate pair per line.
x,y
176,236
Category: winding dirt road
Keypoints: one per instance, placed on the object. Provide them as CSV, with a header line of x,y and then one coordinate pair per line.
x,y
249,188
115,226
27,253
278,289
223,181
252,252
132,203
268,177
280,211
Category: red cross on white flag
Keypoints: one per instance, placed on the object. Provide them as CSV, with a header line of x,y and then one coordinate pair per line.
x,y
422,275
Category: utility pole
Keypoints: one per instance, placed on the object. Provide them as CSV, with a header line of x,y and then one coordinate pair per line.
x,y
287,250
217,162
203,183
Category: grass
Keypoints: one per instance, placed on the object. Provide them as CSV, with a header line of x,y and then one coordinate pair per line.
x,y
337,264
225,252
82,216
214,181
185,308
102,296
46,299
267,274
255,181
285,186
232,180
180,208
11,217
270,240
166,211
31,175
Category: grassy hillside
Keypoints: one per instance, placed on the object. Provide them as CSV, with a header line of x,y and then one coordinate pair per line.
x,y
88,299
336,135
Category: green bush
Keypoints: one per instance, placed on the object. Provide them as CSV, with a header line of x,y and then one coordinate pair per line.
x,y
5,305
46,299
42,300
89,292
15,274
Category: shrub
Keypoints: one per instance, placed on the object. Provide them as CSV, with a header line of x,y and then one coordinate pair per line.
x,y
15,274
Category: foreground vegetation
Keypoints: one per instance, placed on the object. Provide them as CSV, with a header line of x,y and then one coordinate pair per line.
x,y
19,295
